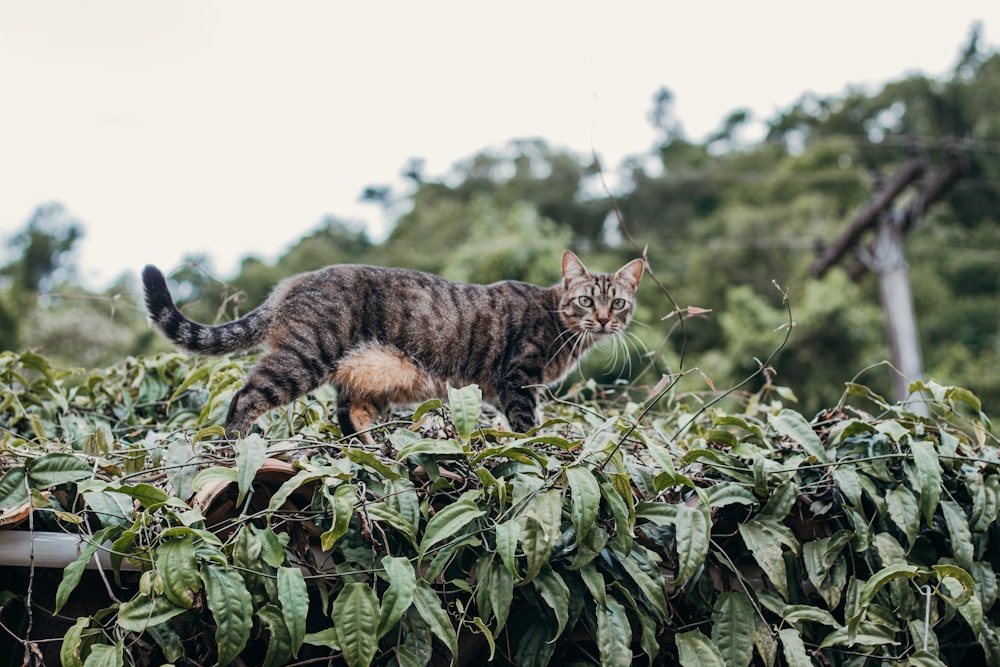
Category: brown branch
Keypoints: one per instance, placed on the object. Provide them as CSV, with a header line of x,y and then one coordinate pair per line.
x,y
908,173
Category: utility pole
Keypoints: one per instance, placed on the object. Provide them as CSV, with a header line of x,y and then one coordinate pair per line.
x,y
886,258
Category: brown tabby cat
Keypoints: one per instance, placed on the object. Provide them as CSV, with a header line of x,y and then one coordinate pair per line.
x,y
382,336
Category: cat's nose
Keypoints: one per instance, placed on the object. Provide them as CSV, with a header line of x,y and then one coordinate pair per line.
x,y
603,321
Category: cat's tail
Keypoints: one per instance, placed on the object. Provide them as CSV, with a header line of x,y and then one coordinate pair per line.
x,y
242,334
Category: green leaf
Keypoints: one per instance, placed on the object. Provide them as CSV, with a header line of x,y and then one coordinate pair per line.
x,y
643,571
555,593
176,563
696,650
250,454
106,655
508,533
728,493
231,607
925,457
356,617
74,571
796,613
69,650
425,407
466,405
279,643
904,512
142,612
56,468
793,425
733,628
294,599
13,488
429,607
693,533
766,550
383,513
586,496
623,514
961,536
342,505
793,648
370,461
326,638
614,635
536,545
399,596
447,522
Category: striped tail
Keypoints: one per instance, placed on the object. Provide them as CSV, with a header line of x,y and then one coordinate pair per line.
x,y
241,334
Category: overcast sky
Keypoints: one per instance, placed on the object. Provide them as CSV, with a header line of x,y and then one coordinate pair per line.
x,y
233,127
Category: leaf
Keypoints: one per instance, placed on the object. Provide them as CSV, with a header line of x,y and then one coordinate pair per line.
x,y
250,454
696,650
279,643
796,613
586,497
383,513
399,596
429,607
294,599
56,468
355,614
231,607
13,488
69,650
793,648
766,550
733,628
820,556
106,655
342,504
555,593
614,635
74,571
728,493
643,571
961,536
508,533
791,424
925,457
176,563
369,460
447,522
693,533
623,514
142,612
904,512
427,406
466,405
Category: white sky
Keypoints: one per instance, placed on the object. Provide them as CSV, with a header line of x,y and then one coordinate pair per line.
x,y
233,127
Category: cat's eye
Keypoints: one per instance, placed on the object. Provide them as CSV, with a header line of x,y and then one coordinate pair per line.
x,y
618,304
586,301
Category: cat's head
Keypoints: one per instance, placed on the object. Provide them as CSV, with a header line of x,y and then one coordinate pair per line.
x,y
600,304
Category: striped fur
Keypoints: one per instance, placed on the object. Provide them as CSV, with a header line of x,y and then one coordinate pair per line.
x,y
387,336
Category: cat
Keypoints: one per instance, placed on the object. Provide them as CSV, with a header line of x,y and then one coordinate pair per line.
x,y
385,336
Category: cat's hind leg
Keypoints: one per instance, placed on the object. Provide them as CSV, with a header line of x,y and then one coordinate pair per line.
x,y
356,415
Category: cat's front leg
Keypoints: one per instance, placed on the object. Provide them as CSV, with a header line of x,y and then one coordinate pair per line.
x,y
519,404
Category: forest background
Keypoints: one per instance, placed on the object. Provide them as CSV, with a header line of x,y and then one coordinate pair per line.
x,y
725,222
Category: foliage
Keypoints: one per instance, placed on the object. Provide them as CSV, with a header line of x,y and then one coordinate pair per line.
x,y
647,526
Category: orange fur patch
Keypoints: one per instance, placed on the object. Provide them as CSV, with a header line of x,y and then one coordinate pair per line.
x,y
384,374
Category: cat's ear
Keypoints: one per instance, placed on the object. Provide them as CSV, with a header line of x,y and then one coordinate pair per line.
x,y
631,273
572,268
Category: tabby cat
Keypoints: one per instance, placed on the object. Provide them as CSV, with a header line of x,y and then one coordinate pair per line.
x,y
384,336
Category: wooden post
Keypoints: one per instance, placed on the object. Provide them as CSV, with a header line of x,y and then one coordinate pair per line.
x,y
888,261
